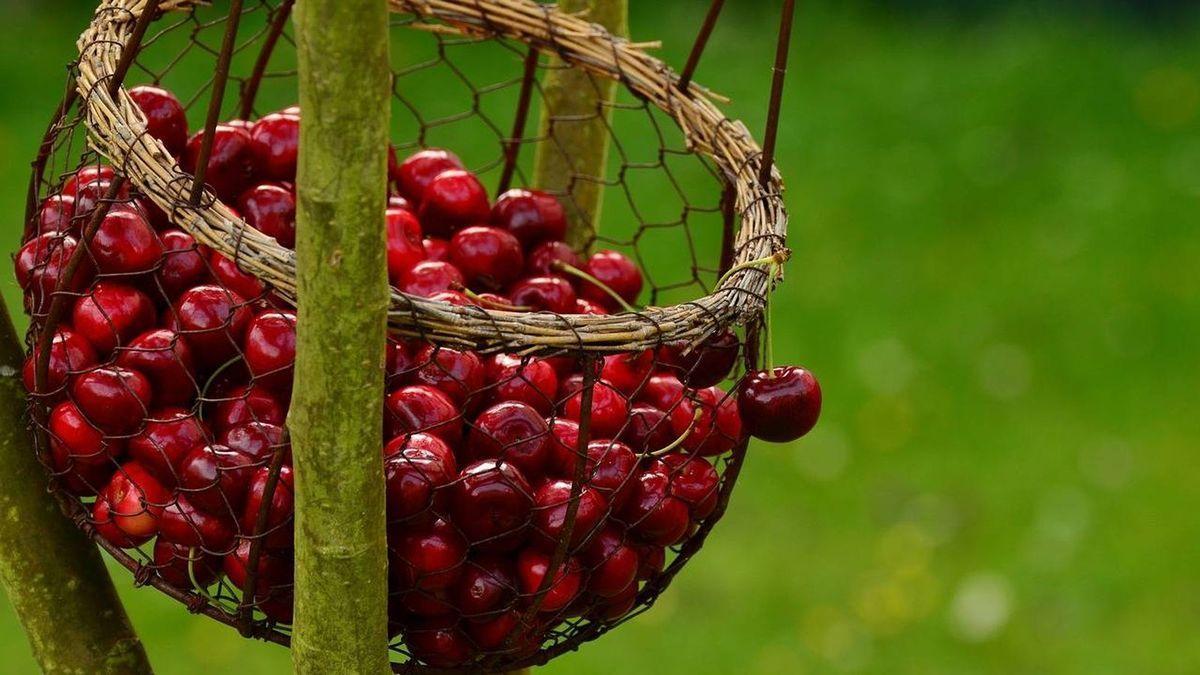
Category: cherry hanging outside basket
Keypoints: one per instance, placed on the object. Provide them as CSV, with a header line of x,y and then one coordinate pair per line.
x,y
536,419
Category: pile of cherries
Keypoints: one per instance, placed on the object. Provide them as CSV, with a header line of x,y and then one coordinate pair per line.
x,y
170,377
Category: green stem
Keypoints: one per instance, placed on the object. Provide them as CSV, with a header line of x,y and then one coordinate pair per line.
x,y
342,293
560,266
682,437
53,575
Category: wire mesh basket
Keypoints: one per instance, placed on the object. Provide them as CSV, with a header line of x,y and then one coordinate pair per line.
x,y
555,453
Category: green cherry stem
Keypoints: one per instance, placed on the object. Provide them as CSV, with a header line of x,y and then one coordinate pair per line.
x,y
678,441
560,266
491,304
774,261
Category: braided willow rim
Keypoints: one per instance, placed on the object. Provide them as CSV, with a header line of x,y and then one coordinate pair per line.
x,y
117,130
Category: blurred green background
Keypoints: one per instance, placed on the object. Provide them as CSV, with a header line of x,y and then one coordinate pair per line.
x,y
995,278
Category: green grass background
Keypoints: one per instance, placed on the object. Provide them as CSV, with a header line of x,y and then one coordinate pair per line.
x,y
995,277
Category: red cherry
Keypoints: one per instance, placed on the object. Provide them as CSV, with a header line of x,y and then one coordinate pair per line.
x,y
89,195
214,478
653,514
616,271
183,264
544,294
135,502
550,504
416,470
277,532
513,432
629,371
77,442
611,564
168,436
271,209
532,216
491,502
439,644
663,391
166,359
492,632
231,276
488,257
270,349
609,411
419,408
564,447
648,430
533,566
115,399
459,374
273,582
611,469
706,365
212,319
541,260
111,315
70,354
693,480
781,405
87,174
419,170
41,264
429,557
456,298
257,440
611,609
39,252
651,560
452,200
247,404
57,214
274,143
179,565
529,381
76,478
718,428
487,585
397,202
437,248
165,117
404,246
430,277
230,162
184,524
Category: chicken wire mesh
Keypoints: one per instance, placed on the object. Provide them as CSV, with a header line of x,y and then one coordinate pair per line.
x,y
544,484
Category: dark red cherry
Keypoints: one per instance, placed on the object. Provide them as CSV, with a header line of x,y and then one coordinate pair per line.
x,y
706,365
134,501
41,251
416,471
181,565
423,603
91,194
716,430
57,214
214,478
513,432
529,381
112,314
459,374
532,216
611,564
609,411
70,354
230,162
420,408
115,399
229,274
544,294
419,169
429,557
277,531
550,504
165,117
616,271
663,391
652,514
491,632
651,560
491,502
404,245
611,469
437,248
564,447
488,257
611,609
487,584
439,644
628,372
542,259
271,209
532,567
85,175
430,277
183,264
452,200
693,480
78,442
168,436
165,358
270,349
274,143
246,404
212,319
257,440
648,430
273,583
184,524
780,405
43,262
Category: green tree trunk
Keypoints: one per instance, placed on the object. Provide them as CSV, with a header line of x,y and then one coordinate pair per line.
x,y
54,576
342,290
576,110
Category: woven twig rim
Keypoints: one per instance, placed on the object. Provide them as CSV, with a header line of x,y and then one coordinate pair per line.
x,y
117,130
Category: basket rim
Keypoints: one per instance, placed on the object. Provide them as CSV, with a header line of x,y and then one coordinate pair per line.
x,y
117,130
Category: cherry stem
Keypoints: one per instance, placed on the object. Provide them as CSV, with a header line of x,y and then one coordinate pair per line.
x,y
774,261
488,301
196,587
561,266
667,449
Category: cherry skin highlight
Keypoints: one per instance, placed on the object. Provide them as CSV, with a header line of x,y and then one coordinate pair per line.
x,y
781,405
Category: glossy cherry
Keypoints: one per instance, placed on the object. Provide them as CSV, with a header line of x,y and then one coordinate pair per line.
x,y
529,381
488,257
405,247
628,372
212,319
550,503
611,469
416,471
416,172
274,145
532,216
663,391
113,398
165,358
430,277
541,260
77,441
70,354
706,365
452,200
491,503
440,644
653,514
168,436
230,162
245,404
459,374
648,430
43,263
781,405
615,270
611,563
230,275
273,582
134,501
112,314
270,349
693,480
183,264
609,411
717,429
532,567
544,294
181,565
57,214
428,557
182,523
488,584
513,432
85,175
277,531
564,447
437,248
257,440
271,209
214,478
165,117
420,408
